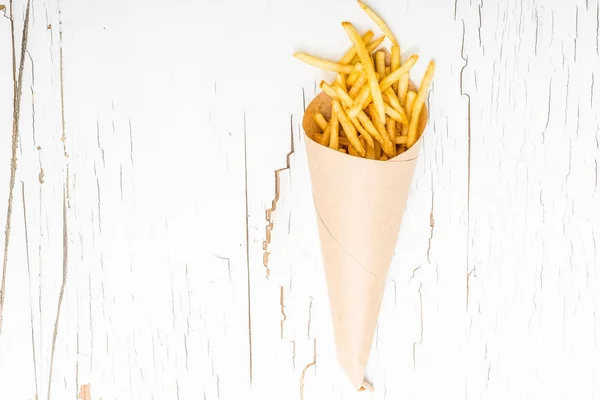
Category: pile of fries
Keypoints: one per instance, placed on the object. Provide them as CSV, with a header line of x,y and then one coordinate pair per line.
x,y
374,112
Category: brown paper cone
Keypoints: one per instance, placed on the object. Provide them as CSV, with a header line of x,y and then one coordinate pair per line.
x,y
359,205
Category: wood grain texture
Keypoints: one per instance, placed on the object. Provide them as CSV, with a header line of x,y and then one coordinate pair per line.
x,y
163,241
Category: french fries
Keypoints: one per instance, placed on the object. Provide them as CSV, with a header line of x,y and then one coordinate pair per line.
x,y
418,104
375,110
323,64
380,23
365,58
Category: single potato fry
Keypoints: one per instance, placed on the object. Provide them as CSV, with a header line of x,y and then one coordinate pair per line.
x,y
394,115
380,63
410,98
323,64
325,138
403,89
334,127
341,150
321,121
351,53
357,72
350,131
358,104
365,59
371,152
390,97
394,76
370,47
377,151
395,62
384,158
391,130
380,23
328,89
401,139
359,84
386,143
418,105
340,81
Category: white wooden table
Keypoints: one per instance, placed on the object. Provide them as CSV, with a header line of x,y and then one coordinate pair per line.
x,y
154,137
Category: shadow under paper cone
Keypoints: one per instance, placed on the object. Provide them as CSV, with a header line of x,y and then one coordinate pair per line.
x,y
359,206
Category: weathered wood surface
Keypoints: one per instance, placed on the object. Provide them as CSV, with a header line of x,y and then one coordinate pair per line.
x,y
155,136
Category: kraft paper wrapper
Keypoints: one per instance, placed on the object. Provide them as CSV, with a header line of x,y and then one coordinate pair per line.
x,y
359,205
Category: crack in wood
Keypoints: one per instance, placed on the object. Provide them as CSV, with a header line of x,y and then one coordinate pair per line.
x,y
17,91
310,364
247,250
468,98
269,212
414,348
62,289
35,375
309,317
283,315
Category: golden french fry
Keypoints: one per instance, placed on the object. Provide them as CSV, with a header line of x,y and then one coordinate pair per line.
x,y
324,64
350,131
378,77
383,158
386,143
377,151
401,139
410,98
334,126
370,47
394,104
404,130
328,89
351,53
321,121
342,96
315,136
380,63
418,105
346,101
365,59
395,63
357,72
359,84
344,141
358,104
380,23
384,84
325,138
387,71
364,145
393,114
390,97
403,89
352,151
369,127
395,75
341,150
371,152
363,132
340,81
391,130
